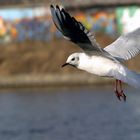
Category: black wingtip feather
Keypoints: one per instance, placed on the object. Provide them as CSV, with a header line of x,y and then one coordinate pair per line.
x,y
62,10
51,6
57,6
70,27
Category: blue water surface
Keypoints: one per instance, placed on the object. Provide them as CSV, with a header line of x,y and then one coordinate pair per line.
x,y
69,114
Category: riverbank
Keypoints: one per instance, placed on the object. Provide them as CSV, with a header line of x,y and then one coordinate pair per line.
x,y
36,57
52,80
38,64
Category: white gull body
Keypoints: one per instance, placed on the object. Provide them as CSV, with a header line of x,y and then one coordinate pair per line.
x,y
97,65
105,67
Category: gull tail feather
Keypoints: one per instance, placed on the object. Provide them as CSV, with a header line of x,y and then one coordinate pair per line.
x,y
127,76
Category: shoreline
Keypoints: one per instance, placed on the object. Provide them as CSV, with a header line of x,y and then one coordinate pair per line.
x,y
52,80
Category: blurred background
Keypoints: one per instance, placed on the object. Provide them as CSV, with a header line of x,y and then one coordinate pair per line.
x,y
41,101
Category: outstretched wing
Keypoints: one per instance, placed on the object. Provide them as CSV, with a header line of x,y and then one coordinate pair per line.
x,y
73,30
126,46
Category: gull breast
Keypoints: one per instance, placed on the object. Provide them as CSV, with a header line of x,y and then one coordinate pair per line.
x,y
98,65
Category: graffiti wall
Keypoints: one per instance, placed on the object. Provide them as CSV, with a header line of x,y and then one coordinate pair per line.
x,y
18,25
25,24
101,21
35,24
128,18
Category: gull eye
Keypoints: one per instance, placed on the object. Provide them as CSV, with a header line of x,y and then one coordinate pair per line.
x,y
73,59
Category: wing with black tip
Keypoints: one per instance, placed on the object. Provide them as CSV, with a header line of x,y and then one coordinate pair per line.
x,y
73,30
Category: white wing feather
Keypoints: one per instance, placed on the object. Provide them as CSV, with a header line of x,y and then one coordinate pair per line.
x,y
126,46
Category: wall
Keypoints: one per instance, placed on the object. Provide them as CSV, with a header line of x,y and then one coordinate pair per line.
x,y
35,23
128,18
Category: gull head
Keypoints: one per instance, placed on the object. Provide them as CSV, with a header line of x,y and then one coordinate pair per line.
x,y
73,60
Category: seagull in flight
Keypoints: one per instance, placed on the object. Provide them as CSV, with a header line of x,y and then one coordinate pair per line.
x,y
104,62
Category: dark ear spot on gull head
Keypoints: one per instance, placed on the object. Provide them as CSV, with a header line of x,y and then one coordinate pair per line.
x,y
73,60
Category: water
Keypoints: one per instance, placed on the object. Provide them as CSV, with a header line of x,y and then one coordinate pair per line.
x,y
69,114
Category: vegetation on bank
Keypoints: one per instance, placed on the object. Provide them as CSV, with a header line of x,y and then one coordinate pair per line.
x,y
43,57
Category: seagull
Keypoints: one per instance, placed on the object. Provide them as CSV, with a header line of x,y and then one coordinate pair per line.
x,y
104,62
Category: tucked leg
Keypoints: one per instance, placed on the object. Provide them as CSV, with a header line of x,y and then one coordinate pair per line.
x,y
116,90
119,90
